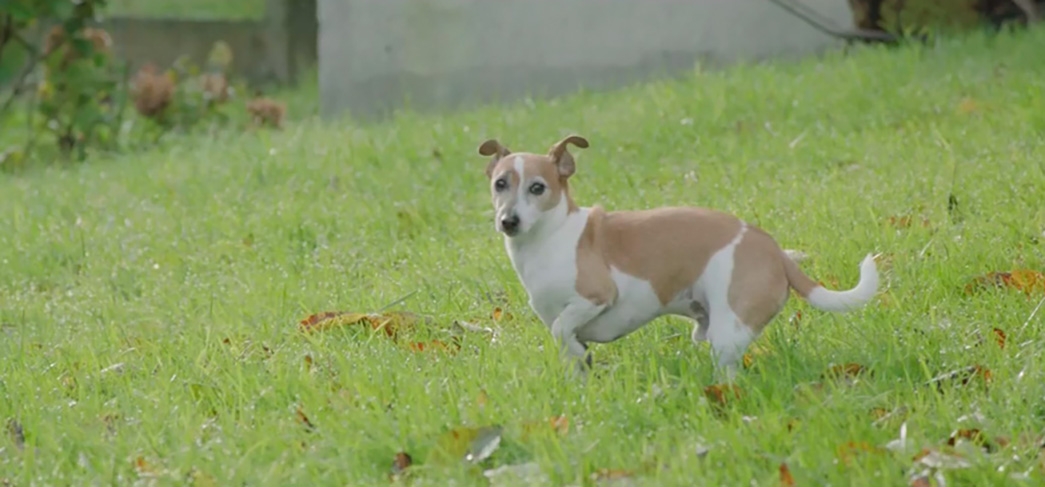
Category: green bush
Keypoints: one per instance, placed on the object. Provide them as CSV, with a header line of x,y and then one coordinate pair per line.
x,y
72,92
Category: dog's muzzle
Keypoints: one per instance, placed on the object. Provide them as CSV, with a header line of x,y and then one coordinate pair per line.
x,y
510,225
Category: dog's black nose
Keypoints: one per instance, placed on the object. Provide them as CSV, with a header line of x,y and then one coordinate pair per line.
x,y
510,224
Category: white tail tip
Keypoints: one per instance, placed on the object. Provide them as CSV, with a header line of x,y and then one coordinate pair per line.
x,y
842,301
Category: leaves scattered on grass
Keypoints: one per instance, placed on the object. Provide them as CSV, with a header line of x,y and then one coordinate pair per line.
x,y
16,433
786,479
1025,280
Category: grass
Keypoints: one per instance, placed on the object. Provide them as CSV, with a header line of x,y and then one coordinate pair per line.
x,y
149,303
224,9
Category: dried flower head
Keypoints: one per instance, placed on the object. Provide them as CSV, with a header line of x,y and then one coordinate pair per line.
x,y
266,111
152,91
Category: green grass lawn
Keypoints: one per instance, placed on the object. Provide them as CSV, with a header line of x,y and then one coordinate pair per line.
x,y
150,303
225,9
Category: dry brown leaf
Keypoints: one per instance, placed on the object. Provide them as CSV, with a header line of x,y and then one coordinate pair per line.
x,y
400,463
848,371
558,424
144,468
1025,280
1000,337
390,322
304,420
436,345
786,479
308,363
905,221
604,474
718,395
850,449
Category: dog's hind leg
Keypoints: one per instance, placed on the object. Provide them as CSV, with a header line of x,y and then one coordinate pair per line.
x,y
729,339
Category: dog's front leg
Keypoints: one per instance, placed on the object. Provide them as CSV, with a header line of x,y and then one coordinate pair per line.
x,y
578,312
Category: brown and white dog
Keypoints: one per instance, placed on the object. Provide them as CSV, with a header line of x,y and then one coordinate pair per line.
x,y
596,276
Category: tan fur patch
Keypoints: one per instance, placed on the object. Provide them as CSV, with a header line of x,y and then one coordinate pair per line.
x,y
669,247
594,281
759,285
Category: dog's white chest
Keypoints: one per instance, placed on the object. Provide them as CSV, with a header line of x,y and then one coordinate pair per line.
x,y
548,268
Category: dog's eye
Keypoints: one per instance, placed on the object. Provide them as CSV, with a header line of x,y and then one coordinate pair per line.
x,y
500,185
537,188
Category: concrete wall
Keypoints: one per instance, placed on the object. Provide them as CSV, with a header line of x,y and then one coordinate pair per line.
x,y
376,56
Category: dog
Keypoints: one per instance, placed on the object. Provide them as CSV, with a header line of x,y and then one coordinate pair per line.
x,y
595,276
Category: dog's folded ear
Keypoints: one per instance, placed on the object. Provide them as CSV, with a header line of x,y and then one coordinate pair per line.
x,y
493,148
562,157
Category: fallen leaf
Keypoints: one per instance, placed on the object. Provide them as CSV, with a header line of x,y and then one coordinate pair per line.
x,y
437,345
144,468
604,475
964,376
900,221
304,420
754,352
849,449
796,319
308,362
400,463
16,432
785,476
469,444
390,322
1025,280
499,314
1000,337
558,424
849,372
717,394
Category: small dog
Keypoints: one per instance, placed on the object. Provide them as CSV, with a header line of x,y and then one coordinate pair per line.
x,y
596,276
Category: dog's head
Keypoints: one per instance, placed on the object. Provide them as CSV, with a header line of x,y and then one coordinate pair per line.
x,y
529,189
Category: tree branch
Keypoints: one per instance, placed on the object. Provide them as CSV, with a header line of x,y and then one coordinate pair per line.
x,y
818,22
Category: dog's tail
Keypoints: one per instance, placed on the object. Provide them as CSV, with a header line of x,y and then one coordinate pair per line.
x,y
837,301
